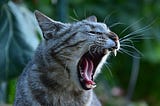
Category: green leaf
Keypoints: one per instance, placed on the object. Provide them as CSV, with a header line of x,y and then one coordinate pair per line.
x,y
17,40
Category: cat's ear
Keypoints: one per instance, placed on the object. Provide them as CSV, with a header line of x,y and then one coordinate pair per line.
x,y
92,18
48,26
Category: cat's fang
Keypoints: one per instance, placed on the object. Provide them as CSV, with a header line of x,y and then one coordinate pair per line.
x,y
91,86
115,52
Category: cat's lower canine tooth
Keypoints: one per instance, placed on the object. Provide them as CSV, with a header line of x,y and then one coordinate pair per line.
x,y
93,86
90,86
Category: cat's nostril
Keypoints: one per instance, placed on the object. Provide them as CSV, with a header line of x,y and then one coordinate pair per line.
x,y
113,36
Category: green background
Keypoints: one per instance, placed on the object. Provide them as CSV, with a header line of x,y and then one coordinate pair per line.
x,y
125,80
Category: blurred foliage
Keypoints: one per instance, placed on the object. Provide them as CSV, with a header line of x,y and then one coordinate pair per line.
x,y
16,40
117,14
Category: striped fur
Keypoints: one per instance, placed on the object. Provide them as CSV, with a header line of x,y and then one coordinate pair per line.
x,y
51,79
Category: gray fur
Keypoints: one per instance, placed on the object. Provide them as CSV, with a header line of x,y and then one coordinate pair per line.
x,y
50,78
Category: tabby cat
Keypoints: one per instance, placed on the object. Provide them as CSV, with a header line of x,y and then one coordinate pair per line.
x,y
65,63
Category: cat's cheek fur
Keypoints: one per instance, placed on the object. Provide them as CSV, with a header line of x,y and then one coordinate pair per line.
x,y
75,80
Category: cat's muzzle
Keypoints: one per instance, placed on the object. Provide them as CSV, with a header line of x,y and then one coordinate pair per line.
x,y
89,62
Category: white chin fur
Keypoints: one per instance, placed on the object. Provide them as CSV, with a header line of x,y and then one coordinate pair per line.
x,y
99,67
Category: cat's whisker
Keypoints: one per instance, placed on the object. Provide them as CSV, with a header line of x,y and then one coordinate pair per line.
x,y
104,21
137,31
130,26
132,47
120,51
139,36
115,24
108,68
128,52
127,41
75,13
107,17
74,19
133,34
125,52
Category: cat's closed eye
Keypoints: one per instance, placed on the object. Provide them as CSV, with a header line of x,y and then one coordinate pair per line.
x,y
94,32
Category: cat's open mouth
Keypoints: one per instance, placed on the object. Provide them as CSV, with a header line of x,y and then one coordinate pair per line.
x,y
87,67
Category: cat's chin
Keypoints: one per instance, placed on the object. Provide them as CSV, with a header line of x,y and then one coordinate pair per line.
x,y
87,68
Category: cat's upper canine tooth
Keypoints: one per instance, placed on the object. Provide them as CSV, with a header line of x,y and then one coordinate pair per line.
x,y
115,52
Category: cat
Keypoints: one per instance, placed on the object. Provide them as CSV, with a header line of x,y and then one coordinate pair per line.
x,y
65,64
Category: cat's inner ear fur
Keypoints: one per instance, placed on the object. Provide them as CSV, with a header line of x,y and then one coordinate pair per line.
x,y
48,26
92,19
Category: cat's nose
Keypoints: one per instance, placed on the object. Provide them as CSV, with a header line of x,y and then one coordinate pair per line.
x,y
114,39
112,42
113,36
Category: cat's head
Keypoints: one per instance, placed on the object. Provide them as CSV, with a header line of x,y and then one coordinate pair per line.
x,y
81,47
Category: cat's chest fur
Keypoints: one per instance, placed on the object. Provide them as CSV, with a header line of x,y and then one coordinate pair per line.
x,y
34,90
65,64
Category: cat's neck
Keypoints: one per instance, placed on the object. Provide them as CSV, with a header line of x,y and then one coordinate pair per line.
x,y
57,90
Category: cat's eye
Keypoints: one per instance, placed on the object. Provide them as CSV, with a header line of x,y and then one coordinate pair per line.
x,y
94,32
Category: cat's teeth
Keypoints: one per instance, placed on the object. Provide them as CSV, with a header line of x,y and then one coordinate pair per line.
x,y
90,86
115,52
93,86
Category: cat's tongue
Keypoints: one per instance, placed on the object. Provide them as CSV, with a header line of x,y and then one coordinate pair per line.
x,y
87,73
